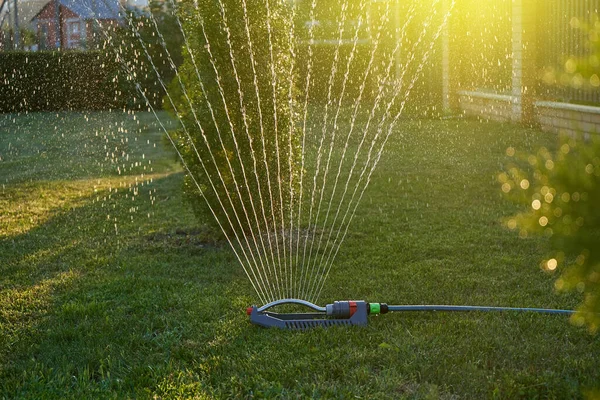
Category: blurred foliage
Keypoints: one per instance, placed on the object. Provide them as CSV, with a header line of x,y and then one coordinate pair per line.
x,y
241,122
325,19
51,81
143,27
586,69
561,190
319,30
27,37
322,61
378,27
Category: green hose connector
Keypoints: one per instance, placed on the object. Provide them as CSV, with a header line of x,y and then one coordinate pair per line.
x,y
374,308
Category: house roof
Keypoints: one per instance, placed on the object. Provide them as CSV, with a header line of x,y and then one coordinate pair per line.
x,y
90,9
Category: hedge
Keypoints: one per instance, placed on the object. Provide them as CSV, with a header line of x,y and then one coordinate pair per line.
x,y
53,81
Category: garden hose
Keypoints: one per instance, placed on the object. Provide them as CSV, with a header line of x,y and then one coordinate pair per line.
x,y
351,312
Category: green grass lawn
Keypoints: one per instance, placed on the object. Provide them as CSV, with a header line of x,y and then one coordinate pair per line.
x,y
110,288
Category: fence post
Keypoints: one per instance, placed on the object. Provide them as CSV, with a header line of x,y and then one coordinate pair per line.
x,y
523,51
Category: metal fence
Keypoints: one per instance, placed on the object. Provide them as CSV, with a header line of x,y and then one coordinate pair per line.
x,y
568,50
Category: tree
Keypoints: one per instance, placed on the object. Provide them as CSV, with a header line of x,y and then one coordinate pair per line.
x,y
561,189
140,46
579,71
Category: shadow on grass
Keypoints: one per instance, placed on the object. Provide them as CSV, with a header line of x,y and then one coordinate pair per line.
x,y
87,313
83,306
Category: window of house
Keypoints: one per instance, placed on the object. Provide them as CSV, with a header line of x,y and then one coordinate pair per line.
x,y
74,27
74,33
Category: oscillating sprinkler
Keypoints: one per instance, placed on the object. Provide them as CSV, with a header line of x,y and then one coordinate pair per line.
x,y
355,312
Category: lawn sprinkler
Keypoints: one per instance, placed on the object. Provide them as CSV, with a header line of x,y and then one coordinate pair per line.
x,y
355,312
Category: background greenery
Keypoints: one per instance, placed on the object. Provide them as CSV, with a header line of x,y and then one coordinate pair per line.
x,y
154,58
155,307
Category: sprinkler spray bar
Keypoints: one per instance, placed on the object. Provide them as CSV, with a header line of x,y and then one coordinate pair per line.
x,y
355,313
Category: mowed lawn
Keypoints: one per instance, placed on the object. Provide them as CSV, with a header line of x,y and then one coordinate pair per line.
x,y
111,288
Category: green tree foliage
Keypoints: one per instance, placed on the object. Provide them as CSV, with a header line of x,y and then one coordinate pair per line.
x,y
241,114
562,195
584,71
320,30
28,37
138,42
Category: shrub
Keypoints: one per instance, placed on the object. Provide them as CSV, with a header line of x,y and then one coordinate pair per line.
x,y
268,140
562,195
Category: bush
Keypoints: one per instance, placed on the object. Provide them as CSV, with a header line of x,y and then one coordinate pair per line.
x,y
52,81
562,195
261,144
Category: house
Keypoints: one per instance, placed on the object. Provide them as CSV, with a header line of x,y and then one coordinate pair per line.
x,y
77,19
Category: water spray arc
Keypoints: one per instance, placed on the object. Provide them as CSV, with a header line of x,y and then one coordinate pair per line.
x,y
285,242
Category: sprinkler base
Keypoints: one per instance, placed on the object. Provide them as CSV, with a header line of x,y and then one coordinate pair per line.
x,y
339,313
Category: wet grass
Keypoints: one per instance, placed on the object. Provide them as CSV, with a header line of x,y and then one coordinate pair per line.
x,y
112,289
